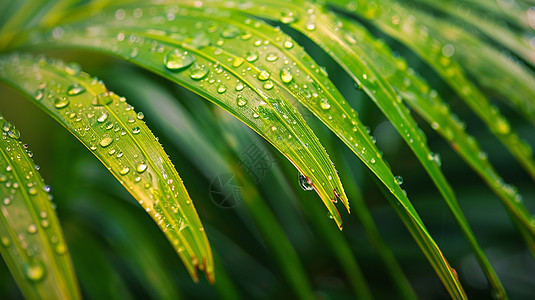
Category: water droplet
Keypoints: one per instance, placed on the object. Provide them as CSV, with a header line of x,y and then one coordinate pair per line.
x,y
102,117
60,248
73,69
503,126
31,229
229,32
61,102
105,142
305,182
263,75
7,126
239,86
176,60
268,85
197,72
124,170
288,44
14,134
287,16
140,115
271,57
325,105
39,94
240,101
238,61
136,130
221,89
141,168
34,271
6,242
286,75
310,26
398,180
75,89
32,191
252,56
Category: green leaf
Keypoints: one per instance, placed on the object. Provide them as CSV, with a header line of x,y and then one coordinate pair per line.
x,y
110,128
328,33
33,245
202,54
429,49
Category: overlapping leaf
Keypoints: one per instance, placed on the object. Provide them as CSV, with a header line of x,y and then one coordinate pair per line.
x,y
110,128
188,49
33,245
408,30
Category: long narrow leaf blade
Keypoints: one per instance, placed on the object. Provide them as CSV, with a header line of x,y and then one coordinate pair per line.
x,y
110,128
183,53
410,32
33,245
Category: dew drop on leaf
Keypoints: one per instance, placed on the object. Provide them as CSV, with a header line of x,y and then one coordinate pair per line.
x,y
176,60
75,89
197,72
288,44
221,89
305,182
398,180
238,61
287,16
34,271
141,168
271,57
286,75
102,118
105,142
240,101
252,56
263,75
268,85
124,170
61,102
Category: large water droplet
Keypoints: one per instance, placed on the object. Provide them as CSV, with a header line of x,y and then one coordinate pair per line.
x,y
305,182
240,101
141,168
102,117
398,180
75,89
252,56
105,142
176,60
263,75
271,57
221,89
61,102
34,271
124,170
238,61
197,72
286,76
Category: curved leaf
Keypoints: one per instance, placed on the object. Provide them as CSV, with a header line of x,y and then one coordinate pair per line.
x,y
177,44
420,40
110,128
33,245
